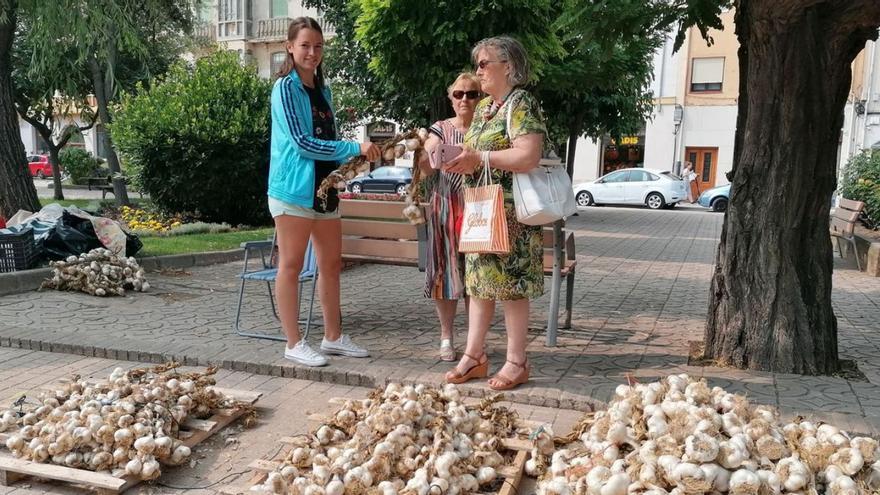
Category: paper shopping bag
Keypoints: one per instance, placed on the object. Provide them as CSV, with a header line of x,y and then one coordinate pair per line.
x,y
484,224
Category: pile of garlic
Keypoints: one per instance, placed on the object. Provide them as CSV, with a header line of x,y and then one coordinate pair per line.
x,y
126,425
412,440
678,436
99,273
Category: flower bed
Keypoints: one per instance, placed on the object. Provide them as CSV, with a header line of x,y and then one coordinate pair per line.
x,y
371,196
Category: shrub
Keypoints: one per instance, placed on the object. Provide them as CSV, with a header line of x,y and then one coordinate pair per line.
x,y
197,141
861,182
78,163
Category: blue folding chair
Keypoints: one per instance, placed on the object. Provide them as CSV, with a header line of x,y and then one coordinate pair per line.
x,y
268,273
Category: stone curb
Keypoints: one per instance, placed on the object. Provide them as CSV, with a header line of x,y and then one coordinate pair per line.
x,y
27,280
329,374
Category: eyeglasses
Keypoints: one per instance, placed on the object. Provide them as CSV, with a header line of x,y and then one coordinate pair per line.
x,y
482,64
470,95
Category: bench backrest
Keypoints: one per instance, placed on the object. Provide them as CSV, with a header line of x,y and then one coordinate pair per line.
x,y
377,231
843,220
568,250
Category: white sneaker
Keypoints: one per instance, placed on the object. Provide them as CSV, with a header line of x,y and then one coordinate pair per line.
x,y
344,346
303,353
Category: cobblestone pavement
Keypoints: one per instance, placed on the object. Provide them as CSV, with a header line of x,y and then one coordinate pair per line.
x,y
640,299
282,411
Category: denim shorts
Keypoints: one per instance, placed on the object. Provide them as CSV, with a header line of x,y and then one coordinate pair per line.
x,y
278,208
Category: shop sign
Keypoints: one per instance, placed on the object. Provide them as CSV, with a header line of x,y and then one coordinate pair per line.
x,y
380,129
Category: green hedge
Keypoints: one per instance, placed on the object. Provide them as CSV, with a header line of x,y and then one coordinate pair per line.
x,y
861,182
197,141
78,163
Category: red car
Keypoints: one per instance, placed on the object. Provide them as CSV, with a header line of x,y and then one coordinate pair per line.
x,y
39,166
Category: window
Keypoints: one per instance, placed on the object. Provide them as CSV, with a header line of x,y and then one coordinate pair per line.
x,y
380,172
616,177
279,8
707,167
707,74
641,176
206,13
276,62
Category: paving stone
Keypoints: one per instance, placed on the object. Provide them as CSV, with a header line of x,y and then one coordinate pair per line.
x,y
640,298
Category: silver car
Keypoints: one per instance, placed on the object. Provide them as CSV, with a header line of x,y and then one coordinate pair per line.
x,y
634,186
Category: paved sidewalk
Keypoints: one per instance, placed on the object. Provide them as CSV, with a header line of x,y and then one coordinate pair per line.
x,y
282,411
640,298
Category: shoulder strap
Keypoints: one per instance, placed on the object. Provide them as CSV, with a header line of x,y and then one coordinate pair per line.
x,y
511,101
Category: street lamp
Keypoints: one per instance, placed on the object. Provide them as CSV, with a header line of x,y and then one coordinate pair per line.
x,y
677,118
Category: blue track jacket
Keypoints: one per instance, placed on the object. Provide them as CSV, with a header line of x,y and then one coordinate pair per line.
x,y
294,146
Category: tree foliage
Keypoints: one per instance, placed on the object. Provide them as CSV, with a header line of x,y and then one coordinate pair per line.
x,y
197,141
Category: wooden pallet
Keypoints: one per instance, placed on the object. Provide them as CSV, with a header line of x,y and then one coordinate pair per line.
x,y
510,475
192,433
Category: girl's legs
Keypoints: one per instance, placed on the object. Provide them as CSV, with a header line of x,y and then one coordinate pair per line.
x,y
327,237
516,320
292,236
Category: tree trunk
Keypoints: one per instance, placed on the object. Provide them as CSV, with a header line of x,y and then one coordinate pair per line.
x,y
119,189
570,152
17,191
770,302
56,170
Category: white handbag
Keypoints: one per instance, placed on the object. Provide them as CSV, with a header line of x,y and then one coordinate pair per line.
x,y
542,195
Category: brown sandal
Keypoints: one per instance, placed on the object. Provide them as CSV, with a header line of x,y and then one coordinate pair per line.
x,y
505,383
479,370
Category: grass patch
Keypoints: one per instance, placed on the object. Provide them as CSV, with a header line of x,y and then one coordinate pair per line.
x,y
197,243
79,203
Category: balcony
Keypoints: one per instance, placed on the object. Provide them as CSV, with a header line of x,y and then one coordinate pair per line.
x,y
205,32
274,29
234,29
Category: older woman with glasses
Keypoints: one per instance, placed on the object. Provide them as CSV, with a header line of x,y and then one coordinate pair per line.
x,y
516,277
444,275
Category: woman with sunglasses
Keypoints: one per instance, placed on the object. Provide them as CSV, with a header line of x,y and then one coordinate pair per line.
x,y
444,274
516,277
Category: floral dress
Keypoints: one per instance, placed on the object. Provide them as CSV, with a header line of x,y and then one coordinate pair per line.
x,y
520,273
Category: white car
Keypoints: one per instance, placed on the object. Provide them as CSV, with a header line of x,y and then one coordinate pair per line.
x,y
636,186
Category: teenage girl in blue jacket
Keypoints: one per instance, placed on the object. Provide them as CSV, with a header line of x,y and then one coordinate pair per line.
x,y
305,150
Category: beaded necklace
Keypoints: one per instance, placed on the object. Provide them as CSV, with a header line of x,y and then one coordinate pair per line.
x,y
492,109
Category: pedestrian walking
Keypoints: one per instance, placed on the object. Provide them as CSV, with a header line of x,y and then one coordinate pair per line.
x,y
690,177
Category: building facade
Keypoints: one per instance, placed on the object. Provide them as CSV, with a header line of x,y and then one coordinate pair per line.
x,y
696,90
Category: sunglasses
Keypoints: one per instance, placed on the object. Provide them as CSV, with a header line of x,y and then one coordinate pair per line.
x,y
470,95
482,64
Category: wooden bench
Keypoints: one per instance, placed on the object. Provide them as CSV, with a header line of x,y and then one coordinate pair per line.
x,y
843,222
104,184
377,232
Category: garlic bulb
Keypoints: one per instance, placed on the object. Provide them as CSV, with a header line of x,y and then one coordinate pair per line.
x,y
122,425
99,272
405,439
678,436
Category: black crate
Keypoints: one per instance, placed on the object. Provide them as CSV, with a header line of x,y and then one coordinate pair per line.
x,y
17,251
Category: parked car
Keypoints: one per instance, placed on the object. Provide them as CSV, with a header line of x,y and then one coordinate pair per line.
x,y
716,198
653,188
39,166
386,179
